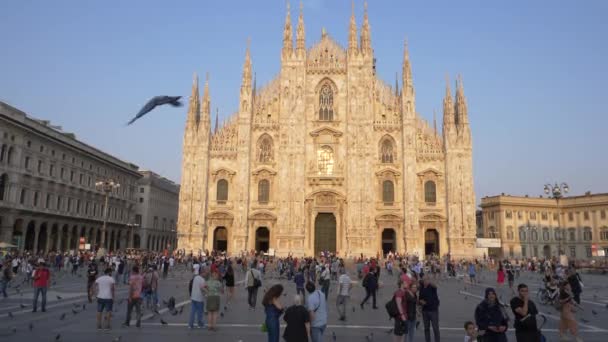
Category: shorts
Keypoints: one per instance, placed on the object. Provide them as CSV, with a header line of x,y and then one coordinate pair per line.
x,y
104,304
213,303
400,328
472,276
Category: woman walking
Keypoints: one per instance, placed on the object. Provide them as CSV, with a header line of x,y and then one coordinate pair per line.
x,y
273,309
229,279
500,276
214,290
567,321
297,318
411,302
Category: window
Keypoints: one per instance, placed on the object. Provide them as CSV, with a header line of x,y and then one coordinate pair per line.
x,y
326,103
61,173
523,251
604,234
491,215
265,154
493,232
138,219
557,233
29,144
22,196
587,234
71,176
26,164
47,204
141,200
11,153
572,251
430,195
603,214
222,191
571,234
533,215
155,225
534,235
81,178
86,208
3,186
544,216
40,166
519,215
387,152
263,191
511,254
41,148
52,170
586,215
509,214
555,216
325,158
388,192
36,198
164,223
58,207
2,153
78,207
63,156
509,233
69,210
535,250
522,234
588,252
141,190
546,235
53,153
570,216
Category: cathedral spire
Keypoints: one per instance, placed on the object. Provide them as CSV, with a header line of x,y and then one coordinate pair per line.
x,y
461,115
205,104
448,106
246,81
353,46
366,39
300,33
435,121
408,82
396,84
194,105
287,35
217,119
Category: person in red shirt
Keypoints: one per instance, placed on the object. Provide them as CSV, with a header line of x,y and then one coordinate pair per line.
x,y
41,284
400,329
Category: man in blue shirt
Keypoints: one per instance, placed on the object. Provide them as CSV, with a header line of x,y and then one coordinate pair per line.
x,y
317,306
430,308
472,272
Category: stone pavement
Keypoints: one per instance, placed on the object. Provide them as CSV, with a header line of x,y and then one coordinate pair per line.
x,y
458,301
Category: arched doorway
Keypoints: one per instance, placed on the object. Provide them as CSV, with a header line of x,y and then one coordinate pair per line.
x,y
136,241
262,239
74,238
389,242
220,239
547,251
431,242
54,237
325,233
64,238
30,236
42,237
18,233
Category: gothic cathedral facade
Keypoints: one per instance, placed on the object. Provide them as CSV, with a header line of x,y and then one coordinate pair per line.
x,y
327,157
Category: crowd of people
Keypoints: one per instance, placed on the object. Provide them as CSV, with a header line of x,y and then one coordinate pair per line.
x,y
416,297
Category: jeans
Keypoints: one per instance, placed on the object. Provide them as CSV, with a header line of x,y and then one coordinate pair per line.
x,y
3,285
125,277
38,291
197,310
411,330
273,329
368,293
341,303
301,292
428,318
252,297
325,288
316,333
135,302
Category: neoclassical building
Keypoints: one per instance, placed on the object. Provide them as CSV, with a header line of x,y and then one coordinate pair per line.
x,y
327,157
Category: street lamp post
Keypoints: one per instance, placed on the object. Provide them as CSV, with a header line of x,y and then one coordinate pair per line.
x,y
558,191
106,186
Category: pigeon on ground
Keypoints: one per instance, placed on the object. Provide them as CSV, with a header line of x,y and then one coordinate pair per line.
x,y
333,335
59,298
181,310
594,312
31,326
10,315
84,307
154,102
62,317
222,314
353,309
162,321
22,306
74,312
14,329
58,337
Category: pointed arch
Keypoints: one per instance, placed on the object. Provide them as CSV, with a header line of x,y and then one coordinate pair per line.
x,y
265,150
387,150
327,90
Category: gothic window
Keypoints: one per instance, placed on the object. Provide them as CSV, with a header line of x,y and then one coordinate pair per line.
x,y
388,192
263,191
222,190
326,103
325,160
265,149
387,152
3,186
430,193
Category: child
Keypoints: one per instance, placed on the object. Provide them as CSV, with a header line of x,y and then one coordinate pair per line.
x,y
470,332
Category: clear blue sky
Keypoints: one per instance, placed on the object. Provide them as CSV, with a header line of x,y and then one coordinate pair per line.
x,y
535,72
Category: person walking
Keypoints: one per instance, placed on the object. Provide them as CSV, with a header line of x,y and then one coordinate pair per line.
x,y
298,322
91,277
500,276
105,289
400,329
430,308
229,281
134,298
411,303
324,280
525,312
214,291
575,281
344,287
317,307
300,280
5,278
197,297
492,318
472,273
273,309
253,281
370,283
567,321
41,285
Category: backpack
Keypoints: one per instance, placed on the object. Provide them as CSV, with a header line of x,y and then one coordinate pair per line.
x,y
256,282
391,308
190,286
365,280
147,283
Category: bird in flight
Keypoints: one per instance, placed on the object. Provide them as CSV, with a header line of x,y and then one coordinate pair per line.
x,y
154,102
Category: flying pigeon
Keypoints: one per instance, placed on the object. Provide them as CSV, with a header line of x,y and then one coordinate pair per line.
x,y
154,102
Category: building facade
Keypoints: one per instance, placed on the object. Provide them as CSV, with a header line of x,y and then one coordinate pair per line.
x,y
327,157
156,212
48,197
542,227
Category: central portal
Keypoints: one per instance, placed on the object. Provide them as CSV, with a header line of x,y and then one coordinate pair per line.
x,y
325,233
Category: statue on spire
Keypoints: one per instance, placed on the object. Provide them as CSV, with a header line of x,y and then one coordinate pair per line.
x,y
300,33
246,81
287,35
366,39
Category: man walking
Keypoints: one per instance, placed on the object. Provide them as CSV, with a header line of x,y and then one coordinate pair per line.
x,y
105,288
253,280
5,278
134,300
525,312
91,277
430,308
317,307
197,298
41,284
344,287
370,283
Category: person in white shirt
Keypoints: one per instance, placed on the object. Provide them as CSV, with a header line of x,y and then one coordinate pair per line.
x,y
197,297
252,290
104,287
196,268
344,287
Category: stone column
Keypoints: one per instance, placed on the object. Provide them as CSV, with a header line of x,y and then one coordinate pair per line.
x,y
69,240
59,236
6,228
47,247
36,236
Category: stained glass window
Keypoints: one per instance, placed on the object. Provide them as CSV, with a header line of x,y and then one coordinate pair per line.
x,y
326,103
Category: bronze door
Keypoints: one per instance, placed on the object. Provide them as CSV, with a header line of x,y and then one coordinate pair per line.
x,y
325,233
